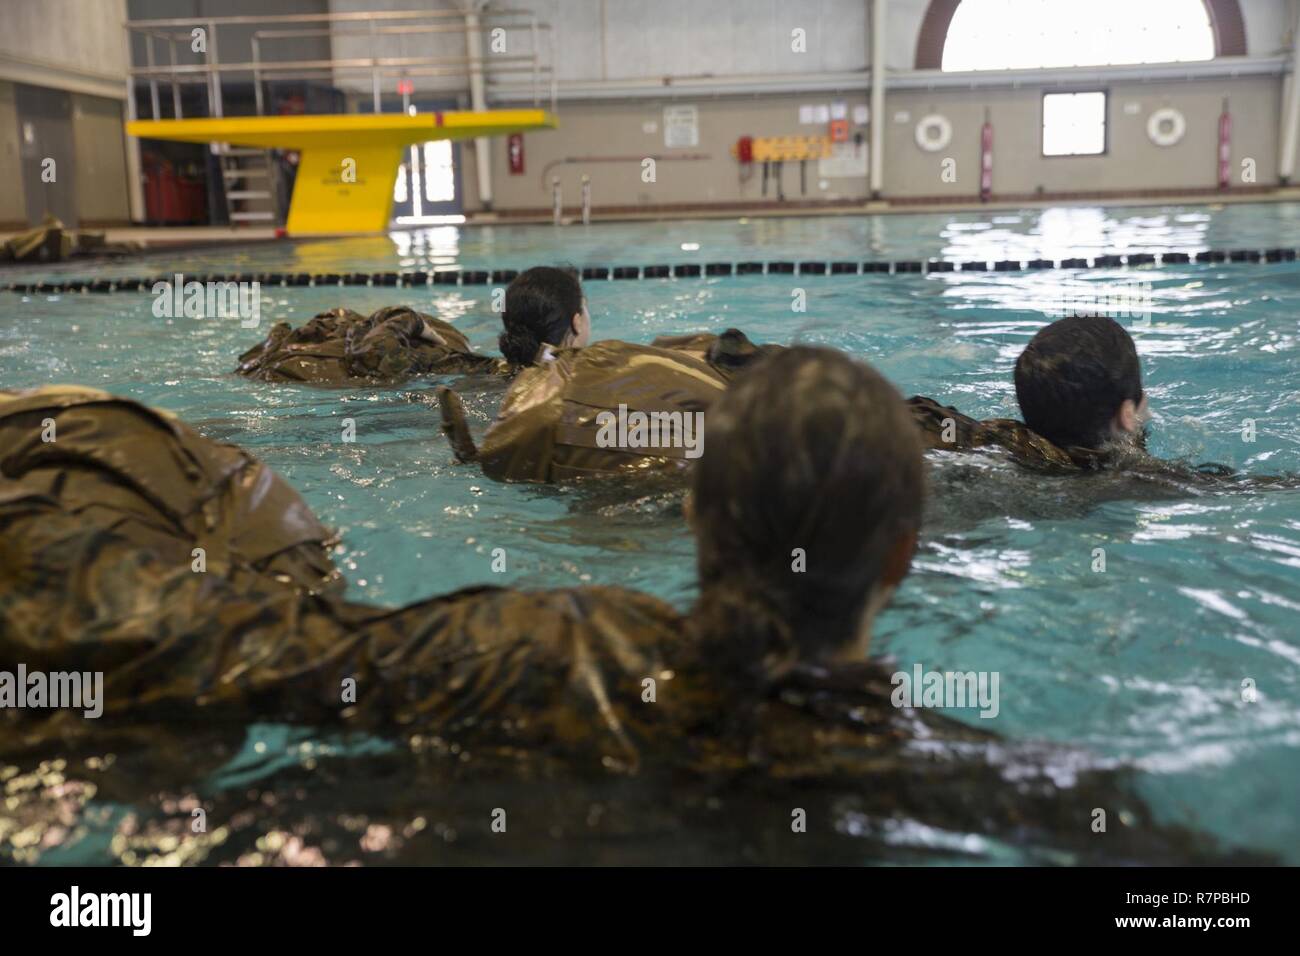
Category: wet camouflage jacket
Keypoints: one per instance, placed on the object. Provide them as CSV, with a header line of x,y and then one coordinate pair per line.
x,y
117,464
97,572
341,347
943,427
97,529
550,424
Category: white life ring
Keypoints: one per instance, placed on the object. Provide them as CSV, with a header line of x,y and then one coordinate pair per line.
x,y
1166,126
933,132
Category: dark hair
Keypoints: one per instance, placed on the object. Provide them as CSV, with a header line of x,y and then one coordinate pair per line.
x,y
1073,376
811,450
540,305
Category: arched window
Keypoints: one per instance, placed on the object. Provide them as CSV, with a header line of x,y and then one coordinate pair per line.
x,y
960,35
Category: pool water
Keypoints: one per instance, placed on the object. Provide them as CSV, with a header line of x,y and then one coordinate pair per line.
x,y
1142,664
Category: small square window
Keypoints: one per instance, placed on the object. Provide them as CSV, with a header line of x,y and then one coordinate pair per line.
x,y
1074,124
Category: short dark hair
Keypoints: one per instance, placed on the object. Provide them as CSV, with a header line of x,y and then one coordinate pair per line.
x,y
812,450
540,305
1074,375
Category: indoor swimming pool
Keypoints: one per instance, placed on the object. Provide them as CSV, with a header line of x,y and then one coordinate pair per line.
x,y
1140,666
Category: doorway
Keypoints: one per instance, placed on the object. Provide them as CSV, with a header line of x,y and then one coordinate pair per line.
x,y
46,153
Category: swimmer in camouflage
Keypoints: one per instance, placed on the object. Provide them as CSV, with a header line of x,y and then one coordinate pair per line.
x,y
553,422
1079,386
765,679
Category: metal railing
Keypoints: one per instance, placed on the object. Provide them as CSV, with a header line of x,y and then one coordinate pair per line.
x,y
182,35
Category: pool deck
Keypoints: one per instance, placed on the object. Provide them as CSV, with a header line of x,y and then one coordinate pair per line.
x,y
181,237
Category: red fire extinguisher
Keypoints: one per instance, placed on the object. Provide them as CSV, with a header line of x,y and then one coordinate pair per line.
x,y
1225,146
515,150
986,159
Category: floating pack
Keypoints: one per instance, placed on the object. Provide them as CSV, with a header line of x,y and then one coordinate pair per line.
x,y
342,347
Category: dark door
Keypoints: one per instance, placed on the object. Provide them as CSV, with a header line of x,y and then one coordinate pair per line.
x,y
45,149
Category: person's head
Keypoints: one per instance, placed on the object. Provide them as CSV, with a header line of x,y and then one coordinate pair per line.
x,y
805,508
1079,382
544,306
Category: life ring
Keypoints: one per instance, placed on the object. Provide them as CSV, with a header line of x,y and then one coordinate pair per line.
x,y
1166,126
933,132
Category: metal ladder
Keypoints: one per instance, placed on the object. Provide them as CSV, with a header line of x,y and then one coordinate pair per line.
x,y
249,181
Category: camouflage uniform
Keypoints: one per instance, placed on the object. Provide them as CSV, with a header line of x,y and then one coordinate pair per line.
x,y
96,532
943,427
548,430
113,463
341,347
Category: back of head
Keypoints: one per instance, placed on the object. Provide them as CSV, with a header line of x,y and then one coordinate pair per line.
x,y
540,305
811,477
1073,377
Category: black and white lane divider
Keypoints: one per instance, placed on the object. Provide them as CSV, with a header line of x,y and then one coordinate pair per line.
x,y
688,270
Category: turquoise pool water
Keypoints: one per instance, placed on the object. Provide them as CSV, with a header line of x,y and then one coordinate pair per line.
x,y
1142,665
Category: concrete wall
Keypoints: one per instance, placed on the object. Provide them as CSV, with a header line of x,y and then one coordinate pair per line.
x,y
634,131
65,44
620,39
1132,161
234,40
75,46
605,41
614,39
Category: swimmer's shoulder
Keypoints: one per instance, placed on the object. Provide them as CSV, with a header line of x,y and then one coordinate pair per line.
x,y
498,616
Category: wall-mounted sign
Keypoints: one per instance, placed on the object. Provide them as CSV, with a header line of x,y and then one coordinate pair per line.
x,y
681,126
846,160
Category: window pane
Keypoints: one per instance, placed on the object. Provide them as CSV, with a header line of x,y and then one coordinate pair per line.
x,y
439,175
1074,124
1029,34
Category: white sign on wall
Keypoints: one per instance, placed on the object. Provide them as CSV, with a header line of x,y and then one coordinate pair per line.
x,y
846,160
681,126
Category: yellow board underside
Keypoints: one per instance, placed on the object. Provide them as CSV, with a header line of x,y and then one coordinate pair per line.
x,y
304,132
347,163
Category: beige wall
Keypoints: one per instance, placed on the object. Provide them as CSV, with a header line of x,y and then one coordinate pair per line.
x,y
13,210
65,44
620,129
101,161
1132,161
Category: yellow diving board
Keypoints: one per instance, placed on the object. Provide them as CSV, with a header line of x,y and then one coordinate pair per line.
x,y
347,163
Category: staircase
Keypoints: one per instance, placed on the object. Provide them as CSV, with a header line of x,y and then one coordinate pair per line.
x,y
249,179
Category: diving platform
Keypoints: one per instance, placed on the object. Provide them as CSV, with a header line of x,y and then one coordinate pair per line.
x,y
347,162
